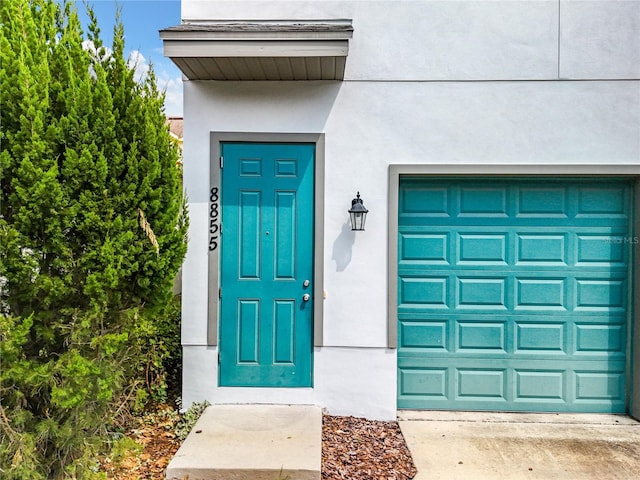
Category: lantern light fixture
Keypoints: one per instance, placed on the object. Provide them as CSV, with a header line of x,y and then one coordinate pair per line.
x,y
357,213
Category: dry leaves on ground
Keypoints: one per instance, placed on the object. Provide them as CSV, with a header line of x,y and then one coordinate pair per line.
x,y
352,449
359,449
154,433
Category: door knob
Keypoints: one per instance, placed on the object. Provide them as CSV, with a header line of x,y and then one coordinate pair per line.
x,y
305,283
306,297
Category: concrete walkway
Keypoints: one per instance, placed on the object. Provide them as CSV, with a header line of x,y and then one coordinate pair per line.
x,y
252,442
277,442
487,446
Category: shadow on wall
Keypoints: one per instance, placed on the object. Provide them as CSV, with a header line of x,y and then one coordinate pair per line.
x,y
343,246
296,106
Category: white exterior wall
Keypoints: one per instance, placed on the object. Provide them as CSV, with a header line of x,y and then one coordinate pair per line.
x,y
426,82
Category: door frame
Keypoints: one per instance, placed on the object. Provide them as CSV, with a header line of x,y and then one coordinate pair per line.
x,y
533,171
214,208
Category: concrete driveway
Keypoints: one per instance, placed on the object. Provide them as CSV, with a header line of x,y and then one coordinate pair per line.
x,y
483,446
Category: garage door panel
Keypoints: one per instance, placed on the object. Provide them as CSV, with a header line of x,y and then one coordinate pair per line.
x,y
546,249
547,293
541,204
598,250
481,383
540,386
486,337
538,289
430,383
597,386
424,292
424,248
602,248
425,201
426,335
601,200
597,294
513,294
487,293
521,386
482,248
482,201
597,339
544,338
545,202
554,337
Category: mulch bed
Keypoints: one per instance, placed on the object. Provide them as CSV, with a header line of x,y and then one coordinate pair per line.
x,y
357,449
352,449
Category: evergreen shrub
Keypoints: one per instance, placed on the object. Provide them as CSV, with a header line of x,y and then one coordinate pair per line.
x,y
92,234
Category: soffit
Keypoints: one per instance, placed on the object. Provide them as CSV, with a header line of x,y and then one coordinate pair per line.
x,y
266,50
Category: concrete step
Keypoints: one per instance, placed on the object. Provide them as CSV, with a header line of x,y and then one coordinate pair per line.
x,y
252,442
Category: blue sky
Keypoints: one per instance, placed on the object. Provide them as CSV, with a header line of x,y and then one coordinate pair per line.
x,y
142,19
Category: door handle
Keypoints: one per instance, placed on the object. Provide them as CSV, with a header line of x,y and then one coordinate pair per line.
x,y
305,283
306,297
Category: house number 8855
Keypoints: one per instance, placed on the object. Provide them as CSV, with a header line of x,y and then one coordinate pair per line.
x,y
214,215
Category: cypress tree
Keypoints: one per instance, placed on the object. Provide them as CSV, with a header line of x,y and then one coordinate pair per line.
x,y
92,233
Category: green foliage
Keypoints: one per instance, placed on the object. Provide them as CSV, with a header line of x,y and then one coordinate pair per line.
x,y
189,419
164,379
122,448
163,416
92,233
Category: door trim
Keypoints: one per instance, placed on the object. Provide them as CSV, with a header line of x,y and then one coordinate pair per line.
x,y
216,139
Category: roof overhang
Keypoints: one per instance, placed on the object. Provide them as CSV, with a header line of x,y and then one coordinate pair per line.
x,y
260,50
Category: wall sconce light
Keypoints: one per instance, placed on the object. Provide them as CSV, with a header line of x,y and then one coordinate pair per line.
x,y
357,213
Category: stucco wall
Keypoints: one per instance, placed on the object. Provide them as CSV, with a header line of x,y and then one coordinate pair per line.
x,y
476,82
465,40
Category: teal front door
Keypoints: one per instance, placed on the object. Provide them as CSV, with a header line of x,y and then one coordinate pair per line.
x,y
267,265
514,294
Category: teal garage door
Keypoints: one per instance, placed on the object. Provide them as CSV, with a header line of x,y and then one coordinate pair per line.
x,y
513,294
